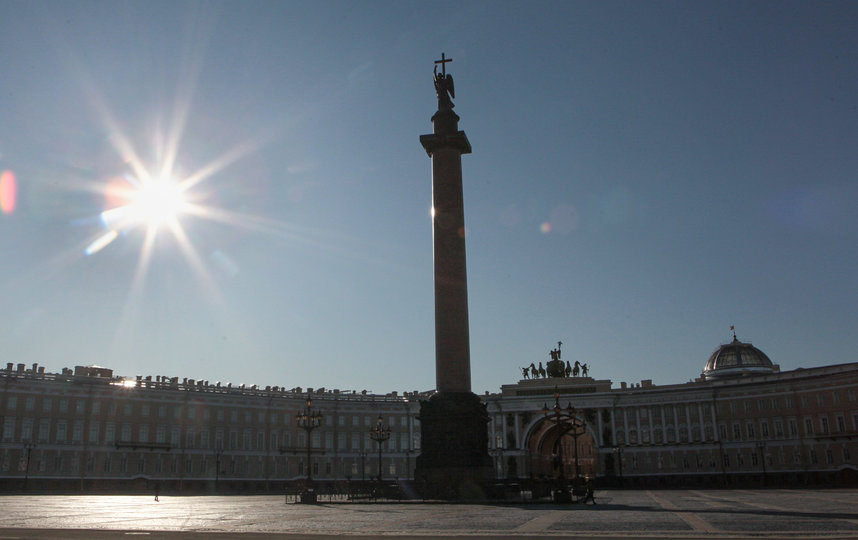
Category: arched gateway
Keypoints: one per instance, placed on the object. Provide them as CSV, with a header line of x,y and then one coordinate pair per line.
x,y
550,447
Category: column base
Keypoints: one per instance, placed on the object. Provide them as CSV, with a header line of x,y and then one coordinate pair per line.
x,y
454,462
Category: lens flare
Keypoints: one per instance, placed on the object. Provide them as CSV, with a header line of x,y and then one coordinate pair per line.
x,y
8,192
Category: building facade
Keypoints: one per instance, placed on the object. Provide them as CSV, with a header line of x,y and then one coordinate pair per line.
x,y
742,422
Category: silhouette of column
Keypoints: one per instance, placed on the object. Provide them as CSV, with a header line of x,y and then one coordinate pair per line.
x,y
454,460
452,342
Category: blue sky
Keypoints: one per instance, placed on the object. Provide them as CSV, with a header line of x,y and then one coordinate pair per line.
x,y
644,175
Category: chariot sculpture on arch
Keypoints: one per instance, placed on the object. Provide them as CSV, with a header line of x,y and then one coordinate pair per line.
x,y
555,367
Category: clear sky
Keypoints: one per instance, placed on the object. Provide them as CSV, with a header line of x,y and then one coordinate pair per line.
x,y
643,176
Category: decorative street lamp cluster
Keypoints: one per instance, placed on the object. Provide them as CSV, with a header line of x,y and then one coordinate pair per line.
x,y
379,434
308,420
566,422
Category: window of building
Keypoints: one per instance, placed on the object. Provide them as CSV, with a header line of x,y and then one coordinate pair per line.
x,y
64,405
788,402
808,426
841,424
62,435
27,429
245,440
274,438
143,433
779,429
204,439
30,403
747,406
175,437
161,434
96,407
776,404
219,415
823,425
820,399
144,409
317,439
192,413
233,415
761,405
109,432
44,430
126,409
9,428
355,440
850,395
125,433
793,428
247,417
162,411
46,404
260,440
751,431
846,456
93,432
813,458
764,430
190,438
273,417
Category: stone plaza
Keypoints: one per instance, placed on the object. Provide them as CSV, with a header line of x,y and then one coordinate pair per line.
x,y
771,513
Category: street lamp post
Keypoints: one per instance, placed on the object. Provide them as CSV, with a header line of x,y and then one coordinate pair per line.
x,y
379,434
308,420
761,446
618,451
218,454
566,421
28,446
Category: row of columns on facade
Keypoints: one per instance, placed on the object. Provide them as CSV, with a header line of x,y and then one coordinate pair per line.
x,y
599,428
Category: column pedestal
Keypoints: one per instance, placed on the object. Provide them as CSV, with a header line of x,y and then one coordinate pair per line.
x,y
454,462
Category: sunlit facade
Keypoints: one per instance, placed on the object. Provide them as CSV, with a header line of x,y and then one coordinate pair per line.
x,y
85,429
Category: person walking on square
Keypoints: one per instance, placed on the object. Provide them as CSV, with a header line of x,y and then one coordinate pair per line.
x,y
588,492
157,490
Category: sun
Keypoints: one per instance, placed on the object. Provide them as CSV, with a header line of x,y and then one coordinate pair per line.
x,y
156,203
150,204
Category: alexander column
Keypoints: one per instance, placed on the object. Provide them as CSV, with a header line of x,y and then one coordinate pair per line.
x,y
454,457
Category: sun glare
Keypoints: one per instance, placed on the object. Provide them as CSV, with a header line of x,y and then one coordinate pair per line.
x,y
156,203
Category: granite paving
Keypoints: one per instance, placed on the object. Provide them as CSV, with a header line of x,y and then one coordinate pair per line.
x,y
772,513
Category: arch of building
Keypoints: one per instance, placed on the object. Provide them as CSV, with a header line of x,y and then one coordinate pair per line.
x,y
541,442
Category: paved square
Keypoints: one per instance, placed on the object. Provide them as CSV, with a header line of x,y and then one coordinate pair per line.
x,y
618,514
